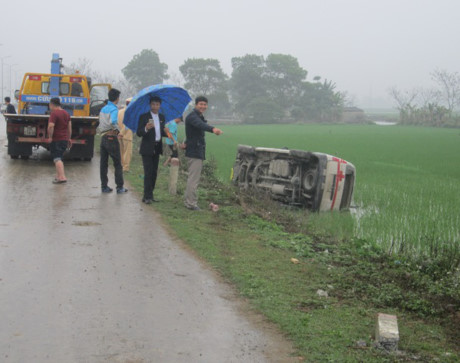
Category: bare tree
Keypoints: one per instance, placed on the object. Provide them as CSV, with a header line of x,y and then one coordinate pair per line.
x,y
405,98
176,79
449,82
349,100
84,66
428,96
126,88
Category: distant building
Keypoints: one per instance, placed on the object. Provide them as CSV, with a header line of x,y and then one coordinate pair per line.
x,y
352,115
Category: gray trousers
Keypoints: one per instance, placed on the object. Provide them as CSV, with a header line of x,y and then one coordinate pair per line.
x,y
194,173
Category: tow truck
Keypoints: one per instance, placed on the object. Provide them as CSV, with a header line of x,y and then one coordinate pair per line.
x,y
79,98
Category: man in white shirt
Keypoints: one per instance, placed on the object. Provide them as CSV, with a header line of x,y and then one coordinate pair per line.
x,y
151,128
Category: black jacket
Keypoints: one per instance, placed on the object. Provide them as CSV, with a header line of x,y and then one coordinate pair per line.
x,y
148,138
195,126
10,109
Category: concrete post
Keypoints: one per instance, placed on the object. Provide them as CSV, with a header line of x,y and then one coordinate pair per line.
x,y
386,331
173,176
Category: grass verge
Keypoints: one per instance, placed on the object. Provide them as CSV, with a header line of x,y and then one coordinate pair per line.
x,y
251,242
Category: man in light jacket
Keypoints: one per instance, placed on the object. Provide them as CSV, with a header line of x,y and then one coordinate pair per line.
x,y
126,141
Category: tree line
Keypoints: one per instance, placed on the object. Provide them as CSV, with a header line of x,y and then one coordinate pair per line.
x,y
275,89
259,90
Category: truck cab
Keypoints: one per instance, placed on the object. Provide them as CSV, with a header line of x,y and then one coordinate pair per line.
x,y
78,96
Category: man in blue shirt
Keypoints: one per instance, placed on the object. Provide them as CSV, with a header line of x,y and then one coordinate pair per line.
x,y
173,159
171,141
108,127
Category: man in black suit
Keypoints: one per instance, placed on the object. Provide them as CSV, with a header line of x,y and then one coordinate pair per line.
x,y
151,128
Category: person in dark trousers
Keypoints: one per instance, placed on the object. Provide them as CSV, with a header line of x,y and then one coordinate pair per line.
x,y
59,133
151,128
108,127
9,107
195,149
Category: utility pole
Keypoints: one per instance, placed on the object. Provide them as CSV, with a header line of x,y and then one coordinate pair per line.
x,y
2,58
10,89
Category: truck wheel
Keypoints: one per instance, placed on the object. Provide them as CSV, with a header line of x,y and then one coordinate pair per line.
x,y
25,157
87,159
14,157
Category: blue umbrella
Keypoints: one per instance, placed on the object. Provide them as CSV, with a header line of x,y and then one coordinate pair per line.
x,y
174,101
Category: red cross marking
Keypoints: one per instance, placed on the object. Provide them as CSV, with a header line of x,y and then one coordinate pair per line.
x,y
339,177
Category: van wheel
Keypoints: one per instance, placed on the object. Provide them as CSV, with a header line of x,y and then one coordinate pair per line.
x,y
305,155
309,180
245,149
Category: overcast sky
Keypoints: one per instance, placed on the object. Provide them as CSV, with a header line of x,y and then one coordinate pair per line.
x,y
364,46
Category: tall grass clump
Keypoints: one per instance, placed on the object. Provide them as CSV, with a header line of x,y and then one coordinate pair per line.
x,y
412,219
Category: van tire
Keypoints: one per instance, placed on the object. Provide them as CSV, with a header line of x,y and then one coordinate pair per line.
x,y
305,155
245,149
309,180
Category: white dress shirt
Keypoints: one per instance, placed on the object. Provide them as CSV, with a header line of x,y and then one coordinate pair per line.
x,y
156,122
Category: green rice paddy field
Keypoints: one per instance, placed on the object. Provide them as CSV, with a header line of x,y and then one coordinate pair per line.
x,y
407,193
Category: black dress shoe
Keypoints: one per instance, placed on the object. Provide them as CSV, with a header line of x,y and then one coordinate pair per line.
x,y
147,201
155,200
193,207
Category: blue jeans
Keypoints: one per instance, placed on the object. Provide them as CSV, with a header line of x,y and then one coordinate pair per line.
x,y
111,147
57,149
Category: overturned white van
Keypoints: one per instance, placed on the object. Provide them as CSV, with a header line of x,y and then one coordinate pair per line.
x,y
317,181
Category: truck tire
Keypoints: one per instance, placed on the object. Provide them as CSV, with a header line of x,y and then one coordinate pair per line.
x,y
89,149
16,149
80,152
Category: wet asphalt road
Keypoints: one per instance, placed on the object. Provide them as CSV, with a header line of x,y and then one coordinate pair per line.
x,y
86,277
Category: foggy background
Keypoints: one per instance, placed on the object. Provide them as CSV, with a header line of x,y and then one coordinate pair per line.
x,y
365,47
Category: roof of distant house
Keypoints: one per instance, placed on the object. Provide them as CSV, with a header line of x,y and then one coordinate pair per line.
x,y
352,109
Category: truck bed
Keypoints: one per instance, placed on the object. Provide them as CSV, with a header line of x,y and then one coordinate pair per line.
x,y
28,118
25,131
